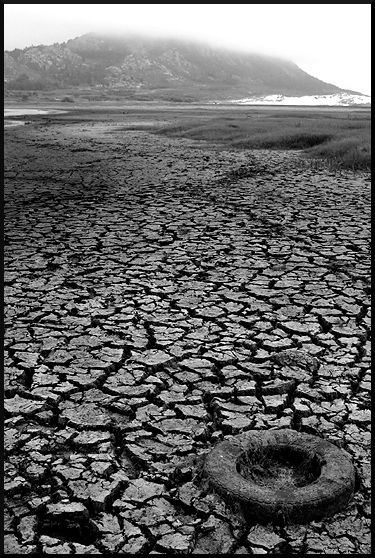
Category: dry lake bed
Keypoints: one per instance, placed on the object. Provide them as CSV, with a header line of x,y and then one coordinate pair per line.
x,y
162,294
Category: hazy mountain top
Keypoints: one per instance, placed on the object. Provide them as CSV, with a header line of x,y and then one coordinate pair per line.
x,y
156,68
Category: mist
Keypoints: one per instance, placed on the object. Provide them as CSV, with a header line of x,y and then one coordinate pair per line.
x,y
327,41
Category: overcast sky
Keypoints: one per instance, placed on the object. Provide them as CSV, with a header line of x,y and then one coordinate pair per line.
x,y
330,41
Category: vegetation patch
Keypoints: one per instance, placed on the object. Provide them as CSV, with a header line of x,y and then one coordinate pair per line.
x,y
341,138
353,153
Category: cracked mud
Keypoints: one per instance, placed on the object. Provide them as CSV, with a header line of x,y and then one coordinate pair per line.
x,y
161,295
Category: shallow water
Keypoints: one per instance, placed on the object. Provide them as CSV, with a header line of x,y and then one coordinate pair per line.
x,y
22,111
8,123
13,123
26,111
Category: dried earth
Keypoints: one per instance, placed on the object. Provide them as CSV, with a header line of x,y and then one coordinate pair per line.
x,y
161,295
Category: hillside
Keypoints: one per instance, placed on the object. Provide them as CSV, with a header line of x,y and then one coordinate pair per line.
x,y
156,68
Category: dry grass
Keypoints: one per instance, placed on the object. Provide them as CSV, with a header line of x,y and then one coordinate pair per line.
x,y
346,152
340,137
278,469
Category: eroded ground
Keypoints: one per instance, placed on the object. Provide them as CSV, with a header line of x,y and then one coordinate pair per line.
x,y
151,287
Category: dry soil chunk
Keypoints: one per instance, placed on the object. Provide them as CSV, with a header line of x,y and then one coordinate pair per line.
x,y
140,490
154,358
21,406
264,537
87,415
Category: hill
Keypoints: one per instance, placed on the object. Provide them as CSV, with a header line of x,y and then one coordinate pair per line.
x,y
137,67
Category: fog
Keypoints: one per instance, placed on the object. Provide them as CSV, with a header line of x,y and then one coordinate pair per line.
x,y
331,42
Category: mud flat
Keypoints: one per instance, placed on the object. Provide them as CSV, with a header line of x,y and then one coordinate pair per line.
x,y
161,295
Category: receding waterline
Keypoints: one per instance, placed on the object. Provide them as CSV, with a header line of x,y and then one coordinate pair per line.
x,y
12,123
23,111
10,113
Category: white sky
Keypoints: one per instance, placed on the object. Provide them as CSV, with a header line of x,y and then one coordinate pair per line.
x,y
329,41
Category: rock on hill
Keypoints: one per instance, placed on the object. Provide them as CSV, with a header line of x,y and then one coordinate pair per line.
x,y
158,68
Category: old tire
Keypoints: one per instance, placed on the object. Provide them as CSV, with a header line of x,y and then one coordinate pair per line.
x,y
329,493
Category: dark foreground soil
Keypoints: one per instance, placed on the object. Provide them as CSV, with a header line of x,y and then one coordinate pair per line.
x,y
152,287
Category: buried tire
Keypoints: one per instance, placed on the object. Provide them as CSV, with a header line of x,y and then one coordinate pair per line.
x,y
281,474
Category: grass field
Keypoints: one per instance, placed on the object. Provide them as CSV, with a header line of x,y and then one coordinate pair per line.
x,y
339,137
